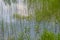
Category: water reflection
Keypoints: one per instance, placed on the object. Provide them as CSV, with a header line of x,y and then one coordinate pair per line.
x,y
13,26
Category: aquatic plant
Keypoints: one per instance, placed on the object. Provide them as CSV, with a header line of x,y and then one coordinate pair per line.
x,y
58,36
48,35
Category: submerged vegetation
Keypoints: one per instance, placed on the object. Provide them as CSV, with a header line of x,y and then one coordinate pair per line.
x,y
45,36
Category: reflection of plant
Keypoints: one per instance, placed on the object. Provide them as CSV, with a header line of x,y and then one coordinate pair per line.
x,y
37,31
48,35
37,28
11,38
27,29
45,9
9,1
20,36
17,16
2,28
27,33
29,17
